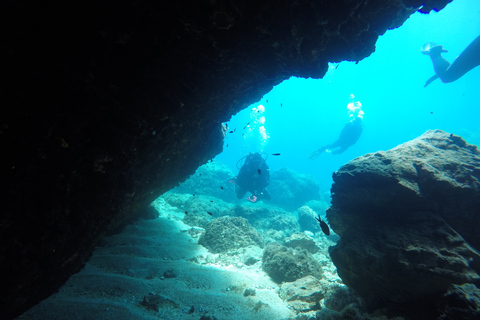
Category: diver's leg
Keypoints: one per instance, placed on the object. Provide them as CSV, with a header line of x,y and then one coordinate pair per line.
x,y
240,191
340,150
266,194
466,61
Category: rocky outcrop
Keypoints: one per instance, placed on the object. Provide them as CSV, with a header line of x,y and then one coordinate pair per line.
x,y
290,190
211,179
108,104
408,221
229,233
287,265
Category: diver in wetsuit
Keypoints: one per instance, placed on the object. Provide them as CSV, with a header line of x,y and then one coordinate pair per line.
x,y
254,177
449,72
349,134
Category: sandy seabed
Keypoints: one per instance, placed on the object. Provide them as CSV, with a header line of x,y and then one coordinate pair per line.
x,y
154,269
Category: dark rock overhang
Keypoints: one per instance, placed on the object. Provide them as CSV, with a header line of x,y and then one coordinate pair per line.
x,y
106,105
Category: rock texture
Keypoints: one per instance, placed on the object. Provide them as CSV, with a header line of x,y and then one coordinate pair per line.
x,y
287,265
108,104
229,233
408,221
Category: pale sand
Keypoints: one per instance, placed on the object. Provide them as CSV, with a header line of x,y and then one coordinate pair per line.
x,y
130,265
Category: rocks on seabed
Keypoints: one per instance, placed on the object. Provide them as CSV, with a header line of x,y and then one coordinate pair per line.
x,y
229,233
303,294
287,264
408,220
300,239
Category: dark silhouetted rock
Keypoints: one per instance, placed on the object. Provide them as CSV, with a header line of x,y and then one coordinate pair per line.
x,y
291,190
287,265
461,302
408,220
229,233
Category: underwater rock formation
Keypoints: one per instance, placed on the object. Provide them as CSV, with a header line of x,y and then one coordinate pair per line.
x,y
300,239
211,179
106,105
229,233
287,265
291,190
408,220
304,294
307,219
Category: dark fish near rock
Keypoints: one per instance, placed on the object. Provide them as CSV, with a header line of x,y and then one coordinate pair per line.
x,y
209,213
323,226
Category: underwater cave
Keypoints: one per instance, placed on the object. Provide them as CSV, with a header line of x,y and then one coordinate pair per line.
x,y
126,128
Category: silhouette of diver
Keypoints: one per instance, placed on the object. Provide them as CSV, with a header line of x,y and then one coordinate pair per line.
x,y
449,72
349,134
254,177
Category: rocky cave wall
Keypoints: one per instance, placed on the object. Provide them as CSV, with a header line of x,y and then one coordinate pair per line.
x,y
105,105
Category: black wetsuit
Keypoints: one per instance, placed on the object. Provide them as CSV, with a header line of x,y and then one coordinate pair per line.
x,y
254,177
348,137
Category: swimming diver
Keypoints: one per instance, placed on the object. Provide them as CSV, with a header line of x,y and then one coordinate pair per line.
x,y
254,177
449,72
349,134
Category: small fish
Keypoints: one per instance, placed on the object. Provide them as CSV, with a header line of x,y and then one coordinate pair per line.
x,y
259,171
227,145
221,187
186,212
281,104
266,100
210,213
246,125
275,154
323,225
193,195
230,131
431,112
211,200
234,129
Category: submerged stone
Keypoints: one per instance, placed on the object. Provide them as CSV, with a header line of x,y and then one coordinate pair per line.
x,y
408,220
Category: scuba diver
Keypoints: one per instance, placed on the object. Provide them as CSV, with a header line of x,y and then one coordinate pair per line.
x,y
254,177
449,72
349,134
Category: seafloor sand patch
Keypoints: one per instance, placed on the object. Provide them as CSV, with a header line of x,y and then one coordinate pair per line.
x,y
155,270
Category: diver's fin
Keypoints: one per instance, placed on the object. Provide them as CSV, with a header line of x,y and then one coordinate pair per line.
x,y
430,80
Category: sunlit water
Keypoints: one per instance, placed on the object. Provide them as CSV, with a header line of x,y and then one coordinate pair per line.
x,y
301,115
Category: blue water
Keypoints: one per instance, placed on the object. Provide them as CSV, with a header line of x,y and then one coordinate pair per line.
x,y
303,114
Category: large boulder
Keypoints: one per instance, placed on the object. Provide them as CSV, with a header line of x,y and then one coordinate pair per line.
x,y
285,264
408,220
229,233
